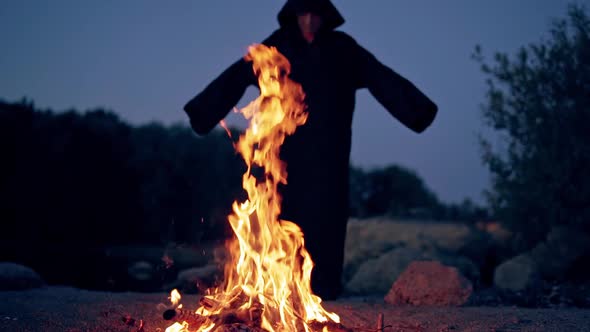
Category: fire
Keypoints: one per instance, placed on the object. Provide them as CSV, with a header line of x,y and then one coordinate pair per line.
x,y
267,278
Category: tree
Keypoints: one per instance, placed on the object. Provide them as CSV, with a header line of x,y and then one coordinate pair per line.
x,y
397,191
538,101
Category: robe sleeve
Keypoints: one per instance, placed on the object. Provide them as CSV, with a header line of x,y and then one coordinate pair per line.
x,y
399,96
210,106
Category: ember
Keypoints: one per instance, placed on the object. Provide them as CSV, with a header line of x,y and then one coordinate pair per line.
x,y
132,322
267,278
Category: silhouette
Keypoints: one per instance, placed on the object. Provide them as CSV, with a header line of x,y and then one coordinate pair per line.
x,y
330,66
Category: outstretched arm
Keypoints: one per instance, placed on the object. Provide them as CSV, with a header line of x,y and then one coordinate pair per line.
x,y
210,106
398,95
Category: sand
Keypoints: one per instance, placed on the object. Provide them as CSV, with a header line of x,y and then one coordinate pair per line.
x,y
64,309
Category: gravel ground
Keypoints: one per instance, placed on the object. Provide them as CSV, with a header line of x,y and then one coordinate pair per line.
x,y
67,309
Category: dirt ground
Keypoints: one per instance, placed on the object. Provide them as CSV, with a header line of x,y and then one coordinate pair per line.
x,y
72,310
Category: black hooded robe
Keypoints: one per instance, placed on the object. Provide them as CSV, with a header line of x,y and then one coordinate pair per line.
x,y
330,70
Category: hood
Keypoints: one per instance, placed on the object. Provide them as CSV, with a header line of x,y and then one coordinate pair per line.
x,y
330,16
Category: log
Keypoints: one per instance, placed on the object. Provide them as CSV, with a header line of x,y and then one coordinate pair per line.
x,y
237,327
208,303
332,327
228,316
380,322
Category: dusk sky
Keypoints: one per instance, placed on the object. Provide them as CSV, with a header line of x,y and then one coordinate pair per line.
x,y
144,59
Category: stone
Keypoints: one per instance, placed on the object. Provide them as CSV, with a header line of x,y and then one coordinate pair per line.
x,y
369,239
429,283
18,277
376,275
198,279
517,274
141,271
563,246
466,266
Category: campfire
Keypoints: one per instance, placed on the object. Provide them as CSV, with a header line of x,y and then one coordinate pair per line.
x,y
267,278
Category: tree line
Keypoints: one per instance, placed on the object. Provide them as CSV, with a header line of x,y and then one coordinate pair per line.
x,y
72,177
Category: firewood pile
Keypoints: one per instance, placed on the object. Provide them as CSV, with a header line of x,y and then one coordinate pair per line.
x,y
249,320
235,318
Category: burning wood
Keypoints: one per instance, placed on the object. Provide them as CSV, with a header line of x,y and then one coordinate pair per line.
x,y
233,315
380,322
232,320
238,328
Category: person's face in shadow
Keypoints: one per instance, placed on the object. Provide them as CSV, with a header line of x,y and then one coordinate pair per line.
x,y
309,24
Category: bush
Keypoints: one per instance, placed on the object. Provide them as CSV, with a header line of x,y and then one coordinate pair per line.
x,y
538,102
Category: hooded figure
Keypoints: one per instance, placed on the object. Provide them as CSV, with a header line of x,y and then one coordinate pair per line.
x,y
331,67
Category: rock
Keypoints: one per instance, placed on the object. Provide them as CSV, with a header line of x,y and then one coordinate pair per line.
x,y
141,271
18,277
376,275
549,260
370,239
517,274
198,279
465,265
556,255
430,283
366,240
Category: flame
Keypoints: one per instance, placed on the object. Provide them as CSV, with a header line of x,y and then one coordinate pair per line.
x,y
269,268
225,127
178,327
175,298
